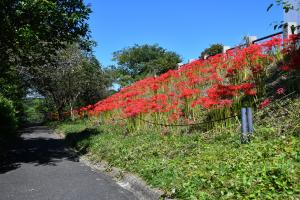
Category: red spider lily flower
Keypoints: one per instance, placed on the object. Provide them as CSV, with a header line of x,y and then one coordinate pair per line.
x,y
188,121
256,69
246,86
286,50
294,37
172,94
188,93
231,71
250,92
175,116
285,68
205,102
280,90
243,86
264,103
218,76
212,92
154,87
197,102
275,41
225,102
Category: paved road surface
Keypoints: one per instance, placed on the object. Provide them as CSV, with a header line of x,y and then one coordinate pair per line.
x,y
40,168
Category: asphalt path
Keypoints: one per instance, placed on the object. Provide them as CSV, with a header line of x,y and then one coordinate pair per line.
x,y
40,168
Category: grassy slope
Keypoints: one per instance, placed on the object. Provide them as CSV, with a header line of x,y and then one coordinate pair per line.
x,y
212,165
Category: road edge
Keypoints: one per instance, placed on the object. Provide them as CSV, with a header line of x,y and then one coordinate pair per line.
x,y
126,180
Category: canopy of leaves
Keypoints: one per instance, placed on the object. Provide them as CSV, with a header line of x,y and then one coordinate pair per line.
x,y
27,22
139,61
212,50
70,78
31,32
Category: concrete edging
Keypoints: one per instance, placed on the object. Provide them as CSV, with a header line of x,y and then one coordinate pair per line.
x,y
126,180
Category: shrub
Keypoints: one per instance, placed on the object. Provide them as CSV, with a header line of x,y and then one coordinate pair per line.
x,y
8,119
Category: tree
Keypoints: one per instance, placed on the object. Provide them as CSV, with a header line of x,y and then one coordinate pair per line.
x,y
139,61
119,76
29,22
29,26
70,78
97,83
32,30
42,26
212,50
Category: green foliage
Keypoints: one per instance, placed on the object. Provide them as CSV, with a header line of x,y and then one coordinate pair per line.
x,y
140,61
30,22
95,82
31,32
8,125
211,165
35,110
8,118
286,5
212,50
12,87
72,79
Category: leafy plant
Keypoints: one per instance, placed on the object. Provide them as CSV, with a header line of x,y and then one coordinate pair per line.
x,y
8,118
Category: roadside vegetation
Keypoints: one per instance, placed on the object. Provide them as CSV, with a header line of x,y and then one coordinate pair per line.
x,y
8,124
46,50
203,165
31,32
35,110
180,131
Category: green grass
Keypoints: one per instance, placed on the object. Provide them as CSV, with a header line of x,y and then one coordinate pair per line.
x,y
211,165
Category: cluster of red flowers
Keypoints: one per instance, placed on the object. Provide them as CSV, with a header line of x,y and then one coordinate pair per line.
x,y
214,83
265,103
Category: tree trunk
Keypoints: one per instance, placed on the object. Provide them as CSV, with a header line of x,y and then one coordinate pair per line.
x,y
61,113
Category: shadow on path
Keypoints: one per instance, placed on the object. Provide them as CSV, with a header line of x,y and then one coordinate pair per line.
x,y
38,145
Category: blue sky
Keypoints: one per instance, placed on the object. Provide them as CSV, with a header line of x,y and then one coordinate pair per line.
x,y
184,26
